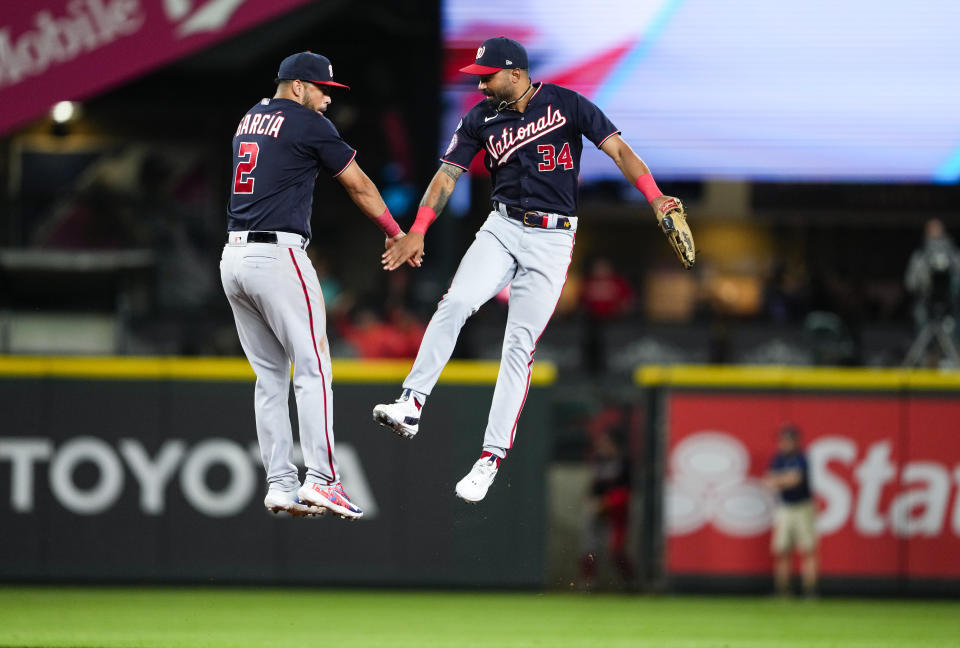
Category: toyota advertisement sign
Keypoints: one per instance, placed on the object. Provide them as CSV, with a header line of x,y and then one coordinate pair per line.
x,y
139,477
885,471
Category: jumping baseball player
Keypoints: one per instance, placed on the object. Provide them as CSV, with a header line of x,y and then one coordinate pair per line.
x,y
280,147
531,134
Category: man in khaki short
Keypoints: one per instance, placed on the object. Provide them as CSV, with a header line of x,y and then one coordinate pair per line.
x,y
794,521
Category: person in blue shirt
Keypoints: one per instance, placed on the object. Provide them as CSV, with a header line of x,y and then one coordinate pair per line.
x,y
794,520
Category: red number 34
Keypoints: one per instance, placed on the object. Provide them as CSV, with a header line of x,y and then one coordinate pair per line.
x,y
242,181
551,159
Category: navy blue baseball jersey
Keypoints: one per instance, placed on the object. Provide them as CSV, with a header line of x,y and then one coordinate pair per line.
x,y
278,150
533,156
795,461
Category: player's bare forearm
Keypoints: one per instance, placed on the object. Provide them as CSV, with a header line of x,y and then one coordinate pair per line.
x,y
410,249
439,190
367,197
362,191
630,165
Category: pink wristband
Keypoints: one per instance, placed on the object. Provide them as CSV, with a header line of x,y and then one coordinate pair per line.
x,y
648,187
425,217
386,223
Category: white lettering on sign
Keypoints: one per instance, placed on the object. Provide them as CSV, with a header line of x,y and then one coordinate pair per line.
x,y
22,454
710,485
231,499
211,16
86,26
153,474
103,493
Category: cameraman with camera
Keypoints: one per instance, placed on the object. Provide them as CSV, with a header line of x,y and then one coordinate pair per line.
x,y
933,277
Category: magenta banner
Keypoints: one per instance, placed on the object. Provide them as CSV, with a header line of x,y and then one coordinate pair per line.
x,y
54,50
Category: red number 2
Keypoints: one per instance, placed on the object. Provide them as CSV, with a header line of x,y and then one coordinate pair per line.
x,y
550,159
242,182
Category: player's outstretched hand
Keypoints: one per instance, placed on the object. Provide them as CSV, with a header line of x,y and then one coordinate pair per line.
x,y
403,248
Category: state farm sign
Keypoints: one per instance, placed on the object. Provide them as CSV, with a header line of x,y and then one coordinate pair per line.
x,y
885,471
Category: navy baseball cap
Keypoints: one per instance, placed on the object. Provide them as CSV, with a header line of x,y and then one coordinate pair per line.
x,y
497,54
308,66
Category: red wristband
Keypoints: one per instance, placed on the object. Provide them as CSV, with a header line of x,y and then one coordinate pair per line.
x,y
386,223
648,187
425,217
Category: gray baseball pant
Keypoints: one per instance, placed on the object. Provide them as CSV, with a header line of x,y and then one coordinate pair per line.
x,y
278,308
534,261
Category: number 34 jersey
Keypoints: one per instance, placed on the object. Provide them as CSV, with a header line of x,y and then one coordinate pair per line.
x,y
278,150
533,156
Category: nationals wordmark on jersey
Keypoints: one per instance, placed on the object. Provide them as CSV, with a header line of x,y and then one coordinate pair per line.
x,y
509,141
543,176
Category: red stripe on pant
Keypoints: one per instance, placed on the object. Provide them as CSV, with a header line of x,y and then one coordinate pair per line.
x,y
323,379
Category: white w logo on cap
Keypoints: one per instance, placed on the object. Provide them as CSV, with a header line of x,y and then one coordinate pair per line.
x,y
480,52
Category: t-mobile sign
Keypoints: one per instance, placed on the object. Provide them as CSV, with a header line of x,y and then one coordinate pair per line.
x,y
53,50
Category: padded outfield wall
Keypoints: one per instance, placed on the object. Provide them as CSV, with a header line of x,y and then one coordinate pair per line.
x,y
147,470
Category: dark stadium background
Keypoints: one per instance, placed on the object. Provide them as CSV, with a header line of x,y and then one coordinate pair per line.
x,y
798,301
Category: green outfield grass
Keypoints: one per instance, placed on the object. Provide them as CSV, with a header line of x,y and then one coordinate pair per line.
x,y
228,618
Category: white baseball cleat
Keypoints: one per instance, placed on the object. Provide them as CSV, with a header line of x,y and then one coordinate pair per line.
x,y
474,486
288,502
332,497
401,416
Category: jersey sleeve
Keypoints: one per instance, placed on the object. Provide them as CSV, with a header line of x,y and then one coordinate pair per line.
x,y
325,144
595,126
463,145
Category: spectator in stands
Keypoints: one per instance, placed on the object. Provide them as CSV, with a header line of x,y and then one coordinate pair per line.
x,y
783,299
372,337
933,276
794,524
608,508
606,295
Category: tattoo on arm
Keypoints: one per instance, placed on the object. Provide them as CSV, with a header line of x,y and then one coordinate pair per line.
x,y
453,171
443,194
442,197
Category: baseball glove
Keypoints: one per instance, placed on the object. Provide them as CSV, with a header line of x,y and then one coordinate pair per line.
x,y
673,222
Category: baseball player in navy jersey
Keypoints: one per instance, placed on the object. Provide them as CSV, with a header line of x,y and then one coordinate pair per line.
x,y
280,147
531,134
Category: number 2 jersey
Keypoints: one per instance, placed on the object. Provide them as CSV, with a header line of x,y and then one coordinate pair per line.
x,y
278,150
533,156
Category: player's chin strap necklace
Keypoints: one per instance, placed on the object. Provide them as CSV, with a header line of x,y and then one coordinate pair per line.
x,y
506,104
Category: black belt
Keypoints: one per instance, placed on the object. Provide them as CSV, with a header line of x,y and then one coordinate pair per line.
x,y
262,237
533,218
268,237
